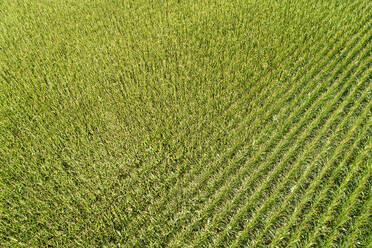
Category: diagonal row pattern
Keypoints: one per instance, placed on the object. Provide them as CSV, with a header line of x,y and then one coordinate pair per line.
x,y
167,123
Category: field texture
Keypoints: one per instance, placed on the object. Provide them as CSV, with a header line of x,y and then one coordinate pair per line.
x,y
200,123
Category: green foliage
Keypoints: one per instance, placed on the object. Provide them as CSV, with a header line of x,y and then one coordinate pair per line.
x,y
207,123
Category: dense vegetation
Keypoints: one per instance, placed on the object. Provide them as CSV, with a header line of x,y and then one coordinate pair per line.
x,y
169,123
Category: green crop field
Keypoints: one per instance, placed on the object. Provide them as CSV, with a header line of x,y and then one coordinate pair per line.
x,y
185,123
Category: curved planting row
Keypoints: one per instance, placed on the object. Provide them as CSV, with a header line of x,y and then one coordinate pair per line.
x,y
220,180
292,152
